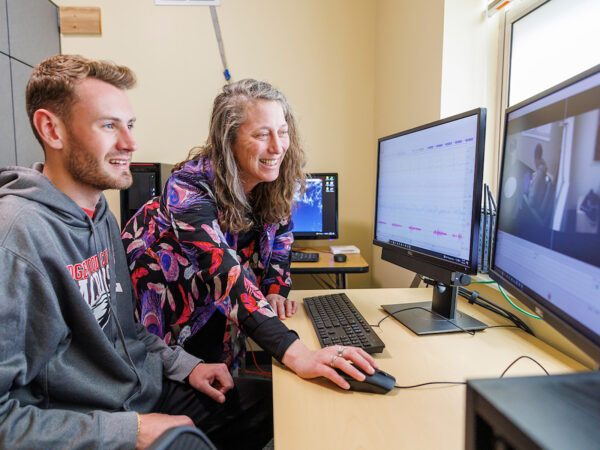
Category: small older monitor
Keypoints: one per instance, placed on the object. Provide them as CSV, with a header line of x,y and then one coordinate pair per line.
x,y
315,214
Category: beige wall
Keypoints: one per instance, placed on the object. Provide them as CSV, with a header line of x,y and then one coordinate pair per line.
x,y
452,69
359,71
321,54
408,81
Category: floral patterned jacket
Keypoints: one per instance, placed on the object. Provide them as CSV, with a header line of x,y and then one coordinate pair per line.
x,y
184,269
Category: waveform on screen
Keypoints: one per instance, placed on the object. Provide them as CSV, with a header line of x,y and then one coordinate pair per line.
x,y
436,232
442,233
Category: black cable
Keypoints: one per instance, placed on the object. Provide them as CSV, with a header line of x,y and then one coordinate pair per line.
x,y
473,297
318,280
508,313
464,382
521,357
427,281
504,326
378,325
430,382
322,283
331,280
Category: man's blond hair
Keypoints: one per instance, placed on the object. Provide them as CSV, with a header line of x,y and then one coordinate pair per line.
x,y
53,81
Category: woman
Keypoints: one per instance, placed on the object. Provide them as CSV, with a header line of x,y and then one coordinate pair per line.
x,y
210,257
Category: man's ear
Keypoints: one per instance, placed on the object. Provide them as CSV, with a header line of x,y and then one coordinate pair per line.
x,y
50,128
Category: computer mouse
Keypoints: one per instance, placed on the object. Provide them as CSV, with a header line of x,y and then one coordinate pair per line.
x,y
378,383
339,257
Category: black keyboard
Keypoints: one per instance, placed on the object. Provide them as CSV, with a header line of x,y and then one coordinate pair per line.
x,y
337,322
304,256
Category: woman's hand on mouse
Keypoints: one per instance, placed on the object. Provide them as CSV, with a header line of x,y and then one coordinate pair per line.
x,y
308,363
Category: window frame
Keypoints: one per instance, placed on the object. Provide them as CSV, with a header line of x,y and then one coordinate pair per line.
x,y
508,17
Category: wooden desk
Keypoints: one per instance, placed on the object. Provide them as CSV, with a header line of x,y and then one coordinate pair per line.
x,y
315,414
354,263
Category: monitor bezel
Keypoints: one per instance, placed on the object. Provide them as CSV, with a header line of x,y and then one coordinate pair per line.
x,y
573,330
416,255
312,235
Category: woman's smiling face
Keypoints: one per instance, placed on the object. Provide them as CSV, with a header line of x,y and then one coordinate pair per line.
x,y
261,143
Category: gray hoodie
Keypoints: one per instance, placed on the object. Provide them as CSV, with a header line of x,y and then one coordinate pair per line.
x,y
74,365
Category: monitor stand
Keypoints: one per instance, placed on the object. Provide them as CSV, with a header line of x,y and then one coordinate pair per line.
x,y
438,316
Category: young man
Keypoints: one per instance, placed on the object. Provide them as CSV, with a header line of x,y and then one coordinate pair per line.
x,y
75,369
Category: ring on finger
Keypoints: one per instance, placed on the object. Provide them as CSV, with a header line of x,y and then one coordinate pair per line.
x,y
332,360
340,351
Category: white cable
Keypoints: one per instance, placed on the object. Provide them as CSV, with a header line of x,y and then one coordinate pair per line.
x,y
215,21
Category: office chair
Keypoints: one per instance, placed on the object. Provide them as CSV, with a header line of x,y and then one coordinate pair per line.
x,y
182,438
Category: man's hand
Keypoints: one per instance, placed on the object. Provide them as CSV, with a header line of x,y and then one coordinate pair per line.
x,y
213,380
153,425
282,306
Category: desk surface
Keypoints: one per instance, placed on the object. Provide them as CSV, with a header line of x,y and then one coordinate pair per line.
x,y
316,414
354,263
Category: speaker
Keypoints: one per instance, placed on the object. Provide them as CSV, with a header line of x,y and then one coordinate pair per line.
x,y
148,182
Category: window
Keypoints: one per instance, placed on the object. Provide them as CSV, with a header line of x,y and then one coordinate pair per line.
x,y
550,42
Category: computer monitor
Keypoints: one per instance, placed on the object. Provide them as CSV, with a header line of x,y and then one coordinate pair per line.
x,y
547,246
427,214
148,180
315,214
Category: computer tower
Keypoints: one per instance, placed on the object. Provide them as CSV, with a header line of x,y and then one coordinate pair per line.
x,y
148,182
542,412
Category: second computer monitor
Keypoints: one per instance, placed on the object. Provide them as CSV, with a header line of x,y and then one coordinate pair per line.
x,y
315,214
429,183
429,191
547,247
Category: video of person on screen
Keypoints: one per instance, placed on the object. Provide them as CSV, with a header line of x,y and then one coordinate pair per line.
x,y
551,177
